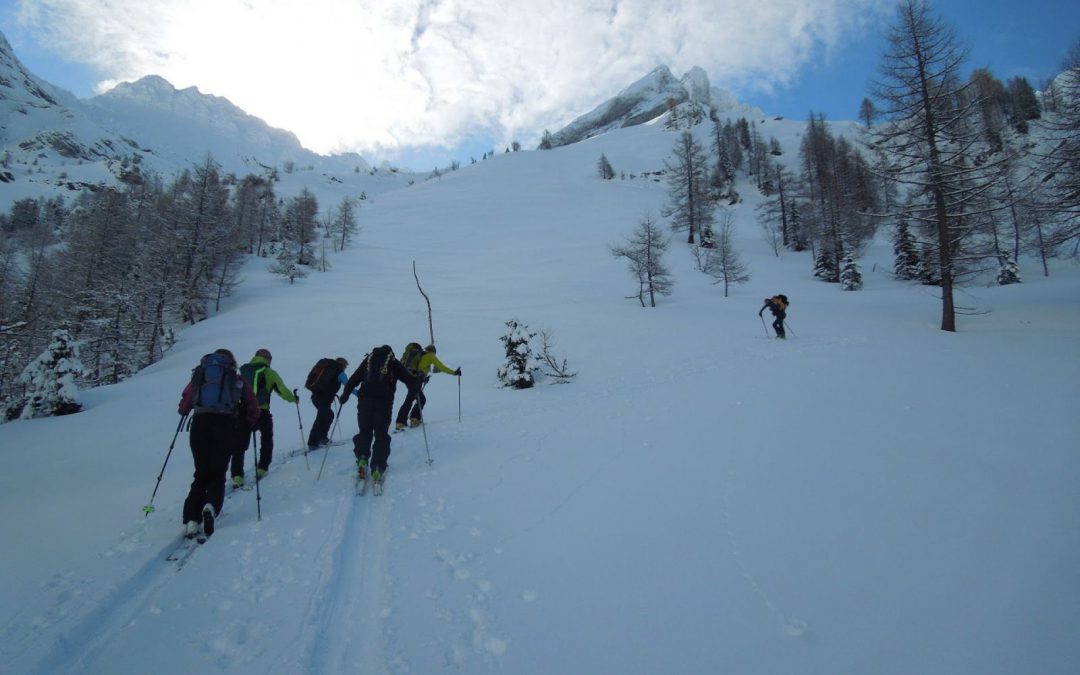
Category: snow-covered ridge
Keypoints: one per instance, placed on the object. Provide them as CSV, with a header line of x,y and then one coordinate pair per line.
x,y
649,98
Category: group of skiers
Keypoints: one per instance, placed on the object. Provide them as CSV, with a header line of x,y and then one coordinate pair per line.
x,y
228,404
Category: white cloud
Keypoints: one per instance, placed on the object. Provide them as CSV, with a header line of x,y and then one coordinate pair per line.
x,y
377,75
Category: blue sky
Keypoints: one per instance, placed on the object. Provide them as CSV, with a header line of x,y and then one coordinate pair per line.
x,y
422,82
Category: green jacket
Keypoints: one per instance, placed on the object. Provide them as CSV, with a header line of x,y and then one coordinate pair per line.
x,y
429,361
268,383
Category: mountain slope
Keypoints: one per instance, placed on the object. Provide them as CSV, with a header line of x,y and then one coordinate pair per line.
x,y
649,98
865,497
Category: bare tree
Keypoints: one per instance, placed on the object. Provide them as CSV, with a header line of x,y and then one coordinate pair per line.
x,y
927,140
688,188
723,262
644,250
343,226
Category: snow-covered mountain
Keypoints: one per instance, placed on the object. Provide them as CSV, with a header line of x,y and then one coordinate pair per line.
x,y
173,121
52,142
649,98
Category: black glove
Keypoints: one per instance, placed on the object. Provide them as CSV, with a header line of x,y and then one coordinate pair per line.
x,y
295,395
341,399
458,372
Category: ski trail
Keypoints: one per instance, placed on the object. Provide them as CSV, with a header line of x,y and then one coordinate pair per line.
x,y
77,647
791,625
349,614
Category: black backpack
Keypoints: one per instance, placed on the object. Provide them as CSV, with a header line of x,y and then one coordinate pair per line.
x,y
215,386
380,367
255,374
411,357
323,377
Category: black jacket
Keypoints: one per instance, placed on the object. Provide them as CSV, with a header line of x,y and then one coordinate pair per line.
x,y
368,390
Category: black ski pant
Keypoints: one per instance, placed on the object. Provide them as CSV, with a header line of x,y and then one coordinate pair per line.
x,y
778,322
266,445
213,439
324,418
411,407
373,420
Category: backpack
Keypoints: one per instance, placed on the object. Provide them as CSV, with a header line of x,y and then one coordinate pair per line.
x,y
215,386
411,357
380,368
255,374
323,378
780,302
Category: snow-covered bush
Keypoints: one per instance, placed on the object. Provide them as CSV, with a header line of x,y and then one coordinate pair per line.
x,y
50,380
850,274
520,364
1009,272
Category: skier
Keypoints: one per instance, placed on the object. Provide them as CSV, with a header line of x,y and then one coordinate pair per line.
x,y
421,363
377,376
223,405
778,305
264,380
323,382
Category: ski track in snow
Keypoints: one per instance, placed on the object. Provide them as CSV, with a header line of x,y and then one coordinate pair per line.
x,y
98,618
347,616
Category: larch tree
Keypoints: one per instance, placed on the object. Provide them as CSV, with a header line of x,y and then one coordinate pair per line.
x,y
688,206
927,138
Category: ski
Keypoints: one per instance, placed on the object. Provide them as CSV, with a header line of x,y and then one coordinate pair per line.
x,y
377,485
186,547
361,486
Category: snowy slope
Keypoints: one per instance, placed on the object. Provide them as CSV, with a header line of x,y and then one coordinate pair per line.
x,y
871,496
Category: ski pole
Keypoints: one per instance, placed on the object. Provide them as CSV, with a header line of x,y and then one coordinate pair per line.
x,y
149,508
459,397
337,417
788,326
423,427
302,441
763,325
258,494
321,465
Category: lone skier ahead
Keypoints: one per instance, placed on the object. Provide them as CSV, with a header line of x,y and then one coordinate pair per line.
x,y
778,305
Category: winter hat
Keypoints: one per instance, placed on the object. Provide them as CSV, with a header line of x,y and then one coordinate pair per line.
x,y
265,353
430,348
226,352
342,362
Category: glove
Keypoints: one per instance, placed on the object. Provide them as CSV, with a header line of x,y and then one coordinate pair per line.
x,y
341,399
458,372
295,395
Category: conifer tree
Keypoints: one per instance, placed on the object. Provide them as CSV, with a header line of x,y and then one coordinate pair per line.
x,y
50,380
905,253
517,371
604,168
850,274
1009,272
